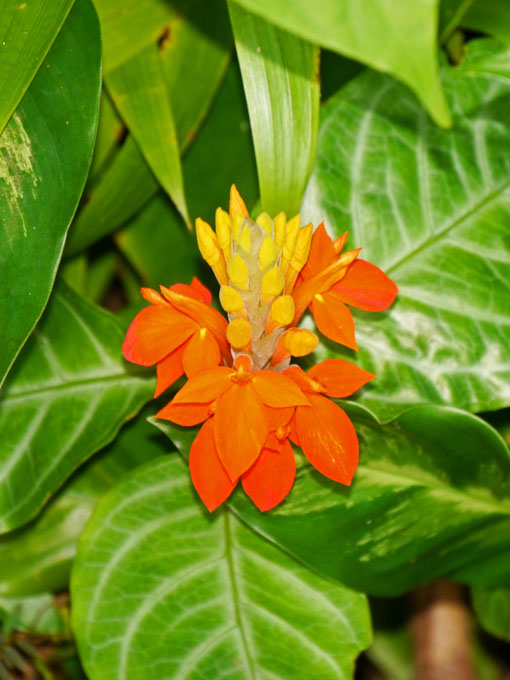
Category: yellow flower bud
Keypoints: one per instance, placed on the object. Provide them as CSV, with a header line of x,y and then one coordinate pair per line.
x,y
243,240
267,253
238,272
282,310
224,232
299,342
266,223
272,284
237,206
290,241
236,225
302,249
239,333
231,300
280,225
210,250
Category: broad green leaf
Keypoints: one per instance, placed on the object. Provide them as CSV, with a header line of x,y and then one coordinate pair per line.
x,y
281,81
489,16
450,15
160,582
27,30
45,152
486,55
492,609
37,557
67,397
138,90
110,131
430,207
395,36
158,245
424,504
222,153
125,187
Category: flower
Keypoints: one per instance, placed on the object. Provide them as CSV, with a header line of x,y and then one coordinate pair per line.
x,y
241,385
361,285
179,332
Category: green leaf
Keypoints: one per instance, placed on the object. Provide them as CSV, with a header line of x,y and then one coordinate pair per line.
x,y
492,609
159,581
281,81
486,55
430,207
424,504
395,36
27,31
125,187
37,557
45,152
67,397
450,15
489,16
138,90
159,247
110,131
36,615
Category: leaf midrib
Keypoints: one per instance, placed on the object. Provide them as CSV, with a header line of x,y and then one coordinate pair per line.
x,y
119,378
484,202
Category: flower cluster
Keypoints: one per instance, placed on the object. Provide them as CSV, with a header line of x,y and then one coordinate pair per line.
x,y
240,381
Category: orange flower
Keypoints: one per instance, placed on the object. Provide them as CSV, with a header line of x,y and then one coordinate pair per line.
x,y
238,397
360,284
179,332
240,384
323,430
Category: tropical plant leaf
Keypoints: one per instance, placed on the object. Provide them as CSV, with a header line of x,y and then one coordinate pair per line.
x,y
38,614
492,608
66,398
158,581
37,557
110,132
27,31
281,81
45,152
394,36
489,16
430,207
422,503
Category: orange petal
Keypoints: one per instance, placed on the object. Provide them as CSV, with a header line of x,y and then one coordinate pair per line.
x,y
240,428
334,319
169,370
366,287
205,387
339,378
296,374
321,282
153,296
278,417
322,252
236,205
201,352
186,290
205,293
328,439
293,433
271,477
203,314
208,475
185,414
277,390
154,333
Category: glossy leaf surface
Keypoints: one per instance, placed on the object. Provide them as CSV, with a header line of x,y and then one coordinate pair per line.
x,y
281,81
45,152
207,596
395,36
27,31
68,395
422,502
492,608
37,557
430,207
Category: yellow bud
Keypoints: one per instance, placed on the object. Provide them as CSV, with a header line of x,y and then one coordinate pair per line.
x,y
231,300
224,232
272,284
207,242
282,310
237,206
290,240
239,333
243,240
267,253
302,249
299,342
280,224
236,225
238,272
266,223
